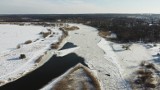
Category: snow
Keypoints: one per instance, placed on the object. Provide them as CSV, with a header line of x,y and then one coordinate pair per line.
x,y
129,60
65,52
11,35
106,57
87,39
11,66
112,36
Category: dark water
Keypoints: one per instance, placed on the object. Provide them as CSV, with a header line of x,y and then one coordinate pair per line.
x,y
55,67
68,45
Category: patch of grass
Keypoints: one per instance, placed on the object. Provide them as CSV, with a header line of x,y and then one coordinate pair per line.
x,y
28,42
67,83
54,46
151,82
103,33
65,33
45,34
94,79
61,24
146,76
70,28
2,82
85,86
63,84
39,59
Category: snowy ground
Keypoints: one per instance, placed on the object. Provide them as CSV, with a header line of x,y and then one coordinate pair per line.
x,y
65,52
11,67
131,59
113,64
11,35
108,72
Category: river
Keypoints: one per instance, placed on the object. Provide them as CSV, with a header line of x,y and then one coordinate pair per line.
x,y
55,67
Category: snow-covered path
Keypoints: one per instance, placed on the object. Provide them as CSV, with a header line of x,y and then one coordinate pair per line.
x,y
107,71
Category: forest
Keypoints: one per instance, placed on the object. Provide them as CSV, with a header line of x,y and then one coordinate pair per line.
x,y
127,27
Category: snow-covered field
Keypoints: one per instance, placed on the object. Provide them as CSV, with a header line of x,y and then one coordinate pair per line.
x,y
108,72
11,67
11,35
113,64
131,59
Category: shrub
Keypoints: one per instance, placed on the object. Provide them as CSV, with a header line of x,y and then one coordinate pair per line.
x,y
126,47
151,66
71,28
22,56
41,32
146,76
54,45
143,63
18,46
45,34
151,82
28,42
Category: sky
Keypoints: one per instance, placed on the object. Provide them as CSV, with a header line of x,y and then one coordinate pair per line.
x,y
78,6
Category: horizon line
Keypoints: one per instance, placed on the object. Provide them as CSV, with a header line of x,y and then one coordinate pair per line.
x,y
75,13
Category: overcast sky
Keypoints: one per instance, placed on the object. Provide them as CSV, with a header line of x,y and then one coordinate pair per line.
x,y
78,6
